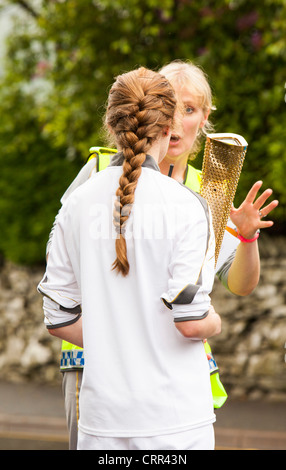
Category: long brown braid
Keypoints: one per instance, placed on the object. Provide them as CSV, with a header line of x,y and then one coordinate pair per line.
x,y
140,104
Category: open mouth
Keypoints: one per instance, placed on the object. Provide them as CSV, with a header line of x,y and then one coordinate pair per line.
x,y
175,138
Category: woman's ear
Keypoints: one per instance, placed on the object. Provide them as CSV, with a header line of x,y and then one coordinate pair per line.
x,y
166,131
205,118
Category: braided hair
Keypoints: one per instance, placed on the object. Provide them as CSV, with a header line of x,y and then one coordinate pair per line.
x,y
140,104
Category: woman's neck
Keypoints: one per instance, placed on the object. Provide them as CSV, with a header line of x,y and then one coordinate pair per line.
x,y
179,167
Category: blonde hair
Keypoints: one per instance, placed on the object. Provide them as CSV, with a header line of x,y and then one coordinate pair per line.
x,y
192,76
141,104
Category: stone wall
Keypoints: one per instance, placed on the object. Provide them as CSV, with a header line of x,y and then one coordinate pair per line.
x,y
250,350
27,351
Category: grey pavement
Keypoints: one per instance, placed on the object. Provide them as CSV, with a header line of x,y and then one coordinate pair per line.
x,y
32,417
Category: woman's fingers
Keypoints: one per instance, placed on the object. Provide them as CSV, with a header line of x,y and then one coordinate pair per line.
x,y
253,192
267,209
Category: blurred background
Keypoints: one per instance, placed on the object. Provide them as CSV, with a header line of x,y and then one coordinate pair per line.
x,y
57,61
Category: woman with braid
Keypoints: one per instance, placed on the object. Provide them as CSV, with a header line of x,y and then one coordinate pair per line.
x,y
134,250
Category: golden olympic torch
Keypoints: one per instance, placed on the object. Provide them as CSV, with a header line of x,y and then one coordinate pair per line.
x,y
222,163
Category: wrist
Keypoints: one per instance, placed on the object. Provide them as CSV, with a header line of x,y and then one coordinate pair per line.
x,y
250,239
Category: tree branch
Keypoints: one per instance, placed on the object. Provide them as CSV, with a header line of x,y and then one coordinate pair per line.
x,y
27,7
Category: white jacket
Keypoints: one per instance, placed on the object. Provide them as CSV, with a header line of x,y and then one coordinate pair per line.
x,y
141,376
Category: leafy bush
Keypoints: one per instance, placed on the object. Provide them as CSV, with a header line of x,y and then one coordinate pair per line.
x,y
62,57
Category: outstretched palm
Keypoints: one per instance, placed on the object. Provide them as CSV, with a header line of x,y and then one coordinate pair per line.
x,y
248,217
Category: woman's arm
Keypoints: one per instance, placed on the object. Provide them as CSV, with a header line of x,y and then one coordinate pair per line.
x,y
59,286
71,333
201,329
244,272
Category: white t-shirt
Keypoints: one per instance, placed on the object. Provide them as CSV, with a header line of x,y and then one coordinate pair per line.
x,y
141,376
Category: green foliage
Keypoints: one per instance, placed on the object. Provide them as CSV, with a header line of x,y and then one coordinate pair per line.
x,y
61,59
33,178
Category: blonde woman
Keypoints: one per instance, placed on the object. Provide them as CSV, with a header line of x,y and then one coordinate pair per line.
x,y
238,265
135,249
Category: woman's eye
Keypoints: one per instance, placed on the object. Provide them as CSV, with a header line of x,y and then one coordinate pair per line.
x,y
189,109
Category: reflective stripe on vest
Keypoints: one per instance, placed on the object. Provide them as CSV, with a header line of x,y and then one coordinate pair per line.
x,y
72,359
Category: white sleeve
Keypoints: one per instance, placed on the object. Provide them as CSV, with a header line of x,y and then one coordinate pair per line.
x,y
227,253
229,245
85,173
192,267
62,295
49,243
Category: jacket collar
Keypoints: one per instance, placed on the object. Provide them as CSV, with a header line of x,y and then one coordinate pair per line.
x,y
118,159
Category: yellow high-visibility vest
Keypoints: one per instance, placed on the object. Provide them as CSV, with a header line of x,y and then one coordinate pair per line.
x,y
103,156
193,178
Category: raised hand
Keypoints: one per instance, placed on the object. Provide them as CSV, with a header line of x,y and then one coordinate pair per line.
x,y
248,217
